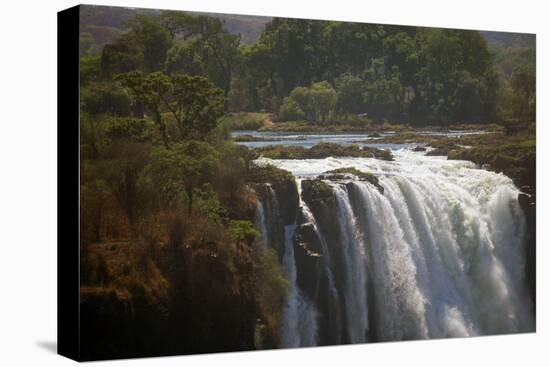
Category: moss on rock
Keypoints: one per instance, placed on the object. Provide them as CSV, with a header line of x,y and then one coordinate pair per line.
x,y
322,150
346,172
284,185
316,191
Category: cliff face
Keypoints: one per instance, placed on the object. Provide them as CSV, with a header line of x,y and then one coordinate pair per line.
x,y
182,300
527,203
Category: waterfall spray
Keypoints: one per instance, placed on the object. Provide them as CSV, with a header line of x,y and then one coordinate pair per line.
x,y
438,254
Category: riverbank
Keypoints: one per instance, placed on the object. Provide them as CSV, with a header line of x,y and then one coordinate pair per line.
x,y
513,155
261,121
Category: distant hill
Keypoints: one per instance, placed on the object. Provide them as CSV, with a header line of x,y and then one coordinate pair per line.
x,y
105,23
510,50
508,39
248,26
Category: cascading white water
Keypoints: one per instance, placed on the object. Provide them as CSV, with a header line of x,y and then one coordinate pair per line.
x,y
298,325
261,222
355,279
441,249
327,263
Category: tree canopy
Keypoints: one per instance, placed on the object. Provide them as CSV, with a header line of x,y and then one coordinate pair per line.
x,y
414,75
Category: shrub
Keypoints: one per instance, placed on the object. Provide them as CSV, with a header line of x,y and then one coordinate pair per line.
x,y
244,120
290,111
270,290
313,104
104,97
243,230
323,150
129,129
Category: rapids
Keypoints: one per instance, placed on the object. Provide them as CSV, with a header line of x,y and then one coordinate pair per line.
x,y
438,254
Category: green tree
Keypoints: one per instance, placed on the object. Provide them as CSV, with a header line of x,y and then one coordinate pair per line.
x,y
258,75
323,99
177,23
454,64
187,57
314,103
523,84
350,47
105,98
243,230
129,129
290,110
385,97
144,47
230,182
122,56
350,89
124,165
153,39
296,51
184,167
195,103
92,135
149,90
206,36
90,69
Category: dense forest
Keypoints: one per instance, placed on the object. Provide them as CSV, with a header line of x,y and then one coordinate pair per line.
x,y
169,261
414,75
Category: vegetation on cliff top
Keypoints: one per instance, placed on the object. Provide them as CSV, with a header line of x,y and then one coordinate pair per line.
x,y
501,150
345,172
515,158
317,191
270,174
322,150
246,120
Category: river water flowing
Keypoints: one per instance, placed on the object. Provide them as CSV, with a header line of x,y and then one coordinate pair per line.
x,y
439,253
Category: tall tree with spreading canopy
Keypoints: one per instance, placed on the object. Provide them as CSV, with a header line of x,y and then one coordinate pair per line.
x,y
185,167
218,49
149,90
195,103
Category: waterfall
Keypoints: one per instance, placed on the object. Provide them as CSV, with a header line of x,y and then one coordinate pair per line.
x,y
261,222
333,319
439,253
354,268
298,327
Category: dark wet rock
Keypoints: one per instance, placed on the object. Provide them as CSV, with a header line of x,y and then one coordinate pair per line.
x,y
383,154
439,152
284,185
322,150
319,197
346,173
307,251
527,204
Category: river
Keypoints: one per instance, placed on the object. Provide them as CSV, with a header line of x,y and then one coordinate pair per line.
x,y
438,253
